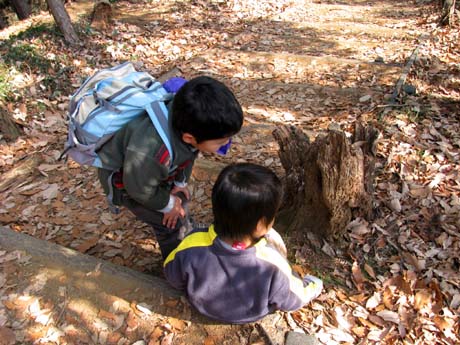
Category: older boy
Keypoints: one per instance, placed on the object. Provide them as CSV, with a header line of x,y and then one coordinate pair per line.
x,y
230,272
204,115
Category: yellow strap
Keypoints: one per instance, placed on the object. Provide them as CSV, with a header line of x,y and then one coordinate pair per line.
x,y
197,239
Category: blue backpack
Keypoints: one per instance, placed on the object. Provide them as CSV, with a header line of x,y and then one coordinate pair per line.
x,y
106,102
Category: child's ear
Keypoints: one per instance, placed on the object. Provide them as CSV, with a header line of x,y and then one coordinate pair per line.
x,y
261,228
189,139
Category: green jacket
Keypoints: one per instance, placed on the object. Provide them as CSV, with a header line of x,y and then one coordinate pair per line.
x,y
139,153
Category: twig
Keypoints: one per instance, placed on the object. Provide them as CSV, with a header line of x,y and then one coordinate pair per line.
x,y
393,105
290,321
62,310
402,78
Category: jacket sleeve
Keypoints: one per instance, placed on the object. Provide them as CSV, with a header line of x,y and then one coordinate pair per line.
x,y
291,292
144,179
183,176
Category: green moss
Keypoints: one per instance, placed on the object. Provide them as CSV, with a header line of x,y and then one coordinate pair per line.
x,y
39,31
24,53
329,279
5,86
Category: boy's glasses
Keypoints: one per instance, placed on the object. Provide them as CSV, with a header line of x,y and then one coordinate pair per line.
x,y
224,148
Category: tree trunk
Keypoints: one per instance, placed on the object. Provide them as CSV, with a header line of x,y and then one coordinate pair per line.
x,y
328,181
8,128
62,19
3,20
22,8
448,9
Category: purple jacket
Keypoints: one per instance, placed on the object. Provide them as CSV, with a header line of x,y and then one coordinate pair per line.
x,y
236,286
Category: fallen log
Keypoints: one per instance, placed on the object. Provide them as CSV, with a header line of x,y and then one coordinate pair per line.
x,y
93,286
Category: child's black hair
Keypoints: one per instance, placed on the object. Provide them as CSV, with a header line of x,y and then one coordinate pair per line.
x,y
207,109
243,194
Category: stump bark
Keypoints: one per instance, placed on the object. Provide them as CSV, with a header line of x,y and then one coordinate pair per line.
x,y
101,17
3,20
8,128
22,8
327,181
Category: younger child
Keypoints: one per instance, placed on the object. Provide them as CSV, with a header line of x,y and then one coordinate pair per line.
x,y
230,272
203,116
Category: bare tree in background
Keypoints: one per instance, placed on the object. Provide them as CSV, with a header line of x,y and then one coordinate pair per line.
x,y
22,8
62,19
447,15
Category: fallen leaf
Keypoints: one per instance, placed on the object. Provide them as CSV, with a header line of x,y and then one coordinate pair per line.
x,y
48,167
376,320
107,315
51,192
389,315
422,299
172,303
112,252
395,205
360,332
358,277
369,270
145,308
365,98
455,303
155,336
167,339
413,261
209,340
443,323
341,336
177,324
87,244
373,301
327,248
7,336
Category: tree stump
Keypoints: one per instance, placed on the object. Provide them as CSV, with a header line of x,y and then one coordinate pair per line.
x,y
101,17
328,181
22,8
8,128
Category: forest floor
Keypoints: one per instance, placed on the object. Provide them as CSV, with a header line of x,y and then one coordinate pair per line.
x,y
314,64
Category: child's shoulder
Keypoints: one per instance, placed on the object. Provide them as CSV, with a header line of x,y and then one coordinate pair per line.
x,y
198,237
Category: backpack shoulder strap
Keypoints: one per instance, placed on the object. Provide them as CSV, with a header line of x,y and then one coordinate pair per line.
x,y
159,116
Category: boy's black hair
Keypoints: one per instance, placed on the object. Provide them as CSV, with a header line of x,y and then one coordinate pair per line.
x,y
243,194
207,109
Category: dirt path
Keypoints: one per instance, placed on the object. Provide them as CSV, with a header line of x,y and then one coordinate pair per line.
x,y
301,62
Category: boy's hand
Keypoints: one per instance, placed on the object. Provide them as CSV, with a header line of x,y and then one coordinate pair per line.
x,y
184,190
170,218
